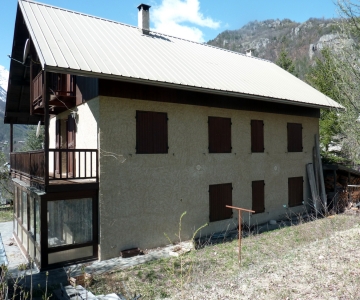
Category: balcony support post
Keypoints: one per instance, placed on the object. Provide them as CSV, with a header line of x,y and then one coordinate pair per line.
x,y
31,81
46,98
11,137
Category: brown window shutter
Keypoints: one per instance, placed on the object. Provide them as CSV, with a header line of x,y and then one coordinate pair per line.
x,y
295,191
257,136
151,132
294,137
219,130
220,195
258,196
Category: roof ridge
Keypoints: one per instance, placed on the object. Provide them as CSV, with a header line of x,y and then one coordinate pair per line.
x,y
76,12
151,31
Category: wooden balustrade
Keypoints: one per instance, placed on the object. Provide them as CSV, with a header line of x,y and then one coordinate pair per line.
x,y
62,84
62,89
28,163
37,87
74,164
64,164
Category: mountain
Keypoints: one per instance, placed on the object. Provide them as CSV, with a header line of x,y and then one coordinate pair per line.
x,y
2,94
4,75
302,41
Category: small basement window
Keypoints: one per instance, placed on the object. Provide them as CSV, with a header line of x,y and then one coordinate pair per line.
x,y
295,191
220,195
258,196
219,135
151,132
294,137
257,136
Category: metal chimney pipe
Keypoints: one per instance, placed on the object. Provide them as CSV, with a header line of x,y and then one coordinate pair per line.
x,y
144,18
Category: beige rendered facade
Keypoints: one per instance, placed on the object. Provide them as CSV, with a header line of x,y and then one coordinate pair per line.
x,y
142,196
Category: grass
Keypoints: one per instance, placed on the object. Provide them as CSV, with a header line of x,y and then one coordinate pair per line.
x,y
6,213
314,260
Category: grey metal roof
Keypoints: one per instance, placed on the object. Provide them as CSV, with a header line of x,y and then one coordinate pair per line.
x,y
72,42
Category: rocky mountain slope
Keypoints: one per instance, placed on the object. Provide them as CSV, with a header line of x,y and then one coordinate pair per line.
x,y
302,41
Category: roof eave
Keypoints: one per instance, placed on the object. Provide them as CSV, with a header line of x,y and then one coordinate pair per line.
x,y
185,87
32,34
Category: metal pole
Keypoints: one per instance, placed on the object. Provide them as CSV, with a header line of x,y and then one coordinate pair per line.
x,y
240,210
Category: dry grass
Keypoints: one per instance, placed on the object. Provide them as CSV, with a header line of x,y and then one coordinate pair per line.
x,y
6,213
315,260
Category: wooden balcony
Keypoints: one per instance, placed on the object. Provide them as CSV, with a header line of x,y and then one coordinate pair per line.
x,y
66,166
62,93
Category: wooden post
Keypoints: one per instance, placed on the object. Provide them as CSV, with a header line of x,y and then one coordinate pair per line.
x,y
240,210
46,97
31,80
11,137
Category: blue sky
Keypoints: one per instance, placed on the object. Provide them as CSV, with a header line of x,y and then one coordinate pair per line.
x,y
199,20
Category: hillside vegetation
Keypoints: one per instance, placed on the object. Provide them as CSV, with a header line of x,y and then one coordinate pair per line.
x,y
302,41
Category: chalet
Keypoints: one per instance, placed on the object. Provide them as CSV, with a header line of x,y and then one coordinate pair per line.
x,y
142,126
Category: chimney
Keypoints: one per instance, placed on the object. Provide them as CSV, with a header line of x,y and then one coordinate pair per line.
x,y
144,18
249,52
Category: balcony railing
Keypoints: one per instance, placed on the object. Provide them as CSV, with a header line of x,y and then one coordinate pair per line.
x,y
64,164
30,164
62,89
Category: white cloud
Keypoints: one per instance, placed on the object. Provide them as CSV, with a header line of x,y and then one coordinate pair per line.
x,y
168,17
4,77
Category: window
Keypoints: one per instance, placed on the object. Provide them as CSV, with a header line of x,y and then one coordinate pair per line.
x,y
257,136
219,135
18,202
258,196
220,195
294,137
69,222
24,209
295,188
151,132
37,220
32,215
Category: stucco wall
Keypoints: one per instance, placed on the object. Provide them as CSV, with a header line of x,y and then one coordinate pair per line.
x,y
143,195
87,120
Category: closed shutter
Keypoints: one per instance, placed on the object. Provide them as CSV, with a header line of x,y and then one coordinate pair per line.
x,y
258,196
294,137
151,132
296,191
257,136
220,195
219,130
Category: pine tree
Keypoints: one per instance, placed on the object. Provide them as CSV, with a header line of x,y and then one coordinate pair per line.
x,y
285,62
32,142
